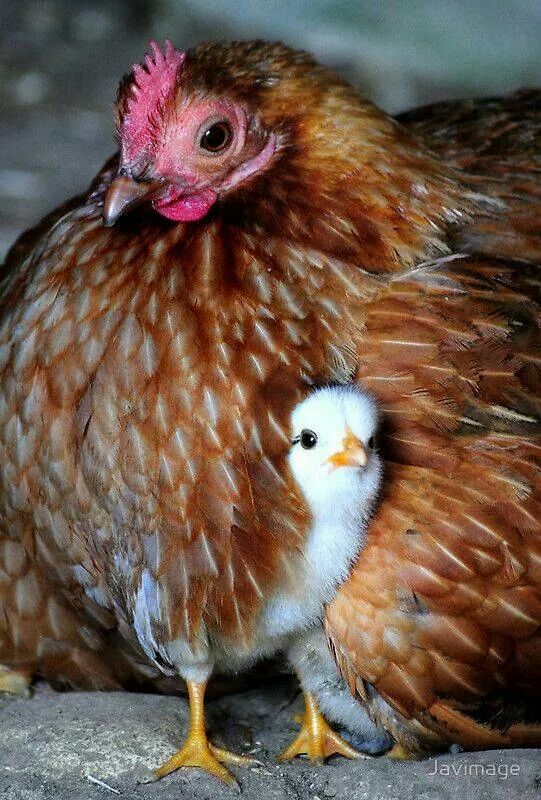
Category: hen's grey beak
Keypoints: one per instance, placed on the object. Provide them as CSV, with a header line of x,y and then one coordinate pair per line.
x,y
124,193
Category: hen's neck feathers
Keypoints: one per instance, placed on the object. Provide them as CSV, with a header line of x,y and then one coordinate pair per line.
x,y
357,186
346,179
350,198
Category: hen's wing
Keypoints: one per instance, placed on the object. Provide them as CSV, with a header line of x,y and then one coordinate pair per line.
x,y
496,142
483,135
443,609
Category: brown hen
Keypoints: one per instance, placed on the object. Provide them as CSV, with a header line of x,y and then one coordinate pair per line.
x,y
298,235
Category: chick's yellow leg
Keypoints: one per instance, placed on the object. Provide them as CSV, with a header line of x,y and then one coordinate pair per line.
x,y
316,738
197,751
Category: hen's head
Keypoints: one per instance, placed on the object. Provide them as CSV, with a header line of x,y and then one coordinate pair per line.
x,y
283,142
193,126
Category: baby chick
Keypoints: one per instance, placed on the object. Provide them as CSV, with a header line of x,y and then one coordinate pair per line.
x,y
334,461
335,464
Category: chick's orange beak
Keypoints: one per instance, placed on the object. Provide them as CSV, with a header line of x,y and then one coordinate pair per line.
x,y
125,193
352,453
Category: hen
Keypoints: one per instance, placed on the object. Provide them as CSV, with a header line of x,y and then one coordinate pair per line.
x,y
269,230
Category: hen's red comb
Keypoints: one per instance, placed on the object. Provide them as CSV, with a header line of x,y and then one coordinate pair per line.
x,y
152,83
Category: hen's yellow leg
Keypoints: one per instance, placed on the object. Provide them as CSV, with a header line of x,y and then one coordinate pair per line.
x,y
316,738
197,751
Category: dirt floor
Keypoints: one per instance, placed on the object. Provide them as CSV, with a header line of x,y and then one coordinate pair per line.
x,y
59,745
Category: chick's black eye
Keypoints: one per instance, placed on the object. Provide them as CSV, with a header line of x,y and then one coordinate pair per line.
x,y
371,443
308,439
216,138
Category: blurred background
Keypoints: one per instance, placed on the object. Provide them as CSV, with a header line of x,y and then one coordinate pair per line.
x,y
61,60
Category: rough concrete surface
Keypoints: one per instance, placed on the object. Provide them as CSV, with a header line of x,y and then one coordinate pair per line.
x,y
52,745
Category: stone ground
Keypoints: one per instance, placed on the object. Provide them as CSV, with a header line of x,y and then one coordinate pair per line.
x,y
57,745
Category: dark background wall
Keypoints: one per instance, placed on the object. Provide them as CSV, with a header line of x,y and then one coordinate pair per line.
x,y
60,62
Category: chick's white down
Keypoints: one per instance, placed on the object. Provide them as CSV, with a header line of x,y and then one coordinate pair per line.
x,y
339,498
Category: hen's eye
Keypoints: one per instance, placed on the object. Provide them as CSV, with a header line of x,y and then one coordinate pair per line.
x,y
216,138
308,439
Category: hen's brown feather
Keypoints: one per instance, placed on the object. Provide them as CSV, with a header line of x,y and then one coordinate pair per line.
x,y
497,143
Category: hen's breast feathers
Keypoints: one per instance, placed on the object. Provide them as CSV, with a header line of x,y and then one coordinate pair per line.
x,y
147,385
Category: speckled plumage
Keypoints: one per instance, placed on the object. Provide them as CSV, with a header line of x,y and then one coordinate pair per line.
x,y
148,371
438,629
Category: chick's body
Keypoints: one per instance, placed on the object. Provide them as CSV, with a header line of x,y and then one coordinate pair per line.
x,y
148,370
335,463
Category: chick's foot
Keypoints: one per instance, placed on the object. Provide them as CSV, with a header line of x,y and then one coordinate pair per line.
x,y
316,738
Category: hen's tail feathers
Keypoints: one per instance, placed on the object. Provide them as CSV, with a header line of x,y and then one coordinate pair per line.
x,y
454,726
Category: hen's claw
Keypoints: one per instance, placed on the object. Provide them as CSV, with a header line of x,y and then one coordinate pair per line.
x,y
197,751
316,738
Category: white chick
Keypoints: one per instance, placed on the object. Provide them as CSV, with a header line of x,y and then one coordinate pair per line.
x,y
335,464
334,461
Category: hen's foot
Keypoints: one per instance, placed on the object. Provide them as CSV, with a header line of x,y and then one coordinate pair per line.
x,y
197,751
14,681
316,738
